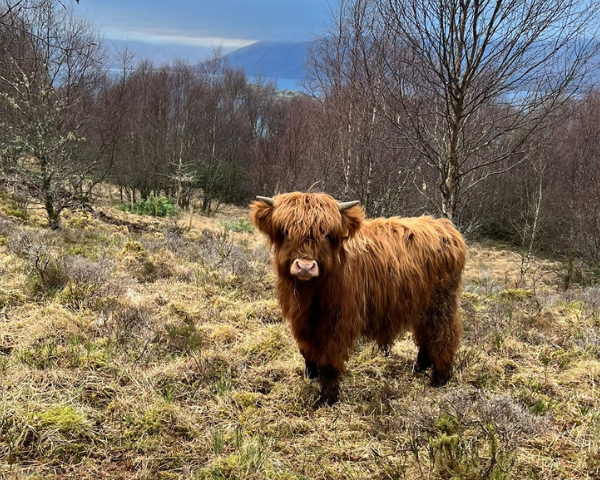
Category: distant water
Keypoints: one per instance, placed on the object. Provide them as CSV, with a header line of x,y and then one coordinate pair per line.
x,y
294,84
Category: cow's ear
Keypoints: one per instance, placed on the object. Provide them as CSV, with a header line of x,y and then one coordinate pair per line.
x,y
261,214
352,219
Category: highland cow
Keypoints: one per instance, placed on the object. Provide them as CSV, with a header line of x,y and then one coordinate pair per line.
x,y
340,276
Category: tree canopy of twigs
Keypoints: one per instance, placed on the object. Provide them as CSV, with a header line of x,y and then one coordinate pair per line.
x,y
465,84
52,73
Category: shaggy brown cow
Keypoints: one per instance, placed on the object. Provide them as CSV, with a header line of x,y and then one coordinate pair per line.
x,y
340,276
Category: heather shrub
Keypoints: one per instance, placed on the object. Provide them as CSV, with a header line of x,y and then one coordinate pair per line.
x,y
88,281
44,265
6,226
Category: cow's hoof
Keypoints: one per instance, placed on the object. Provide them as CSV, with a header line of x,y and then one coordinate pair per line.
x,y
419,367
439,379
327,400
329,396
423,361
311,371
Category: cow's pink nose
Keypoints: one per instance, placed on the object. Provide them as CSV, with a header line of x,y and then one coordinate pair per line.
x,y
304,269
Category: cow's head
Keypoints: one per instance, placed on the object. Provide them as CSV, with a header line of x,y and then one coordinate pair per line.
x,y
307,230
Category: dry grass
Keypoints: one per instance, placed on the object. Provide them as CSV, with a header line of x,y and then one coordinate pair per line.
x,y
163,355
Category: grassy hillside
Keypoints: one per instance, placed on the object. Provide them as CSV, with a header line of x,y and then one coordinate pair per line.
x,y
154,349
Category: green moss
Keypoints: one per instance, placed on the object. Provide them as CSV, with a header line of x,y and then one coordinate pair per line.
x,y
476,301
516,294
65,419
458,451
447,424
160,419
470,297
246,399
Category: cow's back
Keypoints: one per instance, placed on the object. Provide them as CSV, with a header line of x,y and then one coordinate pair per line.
x,y
399,263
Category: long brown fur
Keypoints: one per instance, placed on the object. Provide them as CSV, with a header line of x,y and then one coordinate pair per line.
x,y
377,278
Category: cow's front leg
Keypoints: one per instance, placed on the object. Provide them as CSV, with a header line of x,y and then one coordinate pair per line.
x,y
329,378
310,370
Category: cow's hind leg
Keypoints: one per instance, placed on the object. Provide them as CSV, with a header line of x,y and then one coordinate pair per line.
x,y
444,331
421,338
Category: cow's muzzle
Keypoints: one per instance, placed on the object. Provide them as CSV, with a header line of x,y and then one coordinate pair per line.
x,y
304,269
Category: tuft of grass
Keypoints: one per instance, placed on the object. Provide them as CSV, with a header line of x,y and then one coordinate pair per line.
x,y
516,294
132,248
146,266
184,337
250,459
78,220
11,208
272,342
224,334
41,356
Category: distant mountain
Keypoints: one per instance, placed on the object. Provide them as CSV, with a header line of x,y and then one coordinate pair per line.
x,y
283,62
159,54
277,60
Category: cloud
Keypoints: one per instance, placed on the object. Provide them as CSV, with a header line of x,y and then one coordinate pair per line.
x,y
174,37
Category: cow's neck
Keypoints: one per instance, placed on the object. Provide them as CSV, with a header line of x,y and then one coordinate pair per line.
x,y
301,300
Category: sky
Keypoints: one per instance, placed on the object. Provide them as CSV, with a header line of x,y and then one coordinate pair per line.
x,y
208,23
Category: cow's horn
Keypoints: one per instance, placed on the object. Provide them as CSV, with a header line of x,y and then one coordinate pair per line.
x,y
268,200
346,205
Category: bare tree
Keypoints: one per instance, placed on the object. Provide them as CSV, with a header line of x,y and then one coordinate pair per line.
x,y
573,216
371,162
466,82
223,133
51,73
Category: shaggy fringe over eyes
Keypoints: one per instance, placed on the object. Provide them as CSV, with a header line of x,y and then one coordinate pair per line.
x,y
303,216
